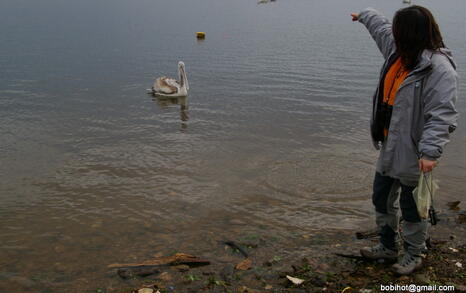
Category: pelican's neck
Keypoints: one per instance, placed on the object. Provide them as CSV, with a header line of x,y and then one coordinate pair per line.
x,y
183,79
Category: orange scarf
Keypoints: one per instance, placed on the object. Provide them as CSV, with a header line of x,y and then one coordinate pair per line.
x,y
393,79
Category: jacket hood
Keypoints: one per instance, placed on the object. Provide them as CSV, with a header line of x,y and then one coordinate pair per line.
x,y
447,53
425,59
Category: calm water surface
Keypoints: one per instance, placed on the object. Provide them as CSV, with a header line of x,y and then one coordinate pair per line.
x,y
273,139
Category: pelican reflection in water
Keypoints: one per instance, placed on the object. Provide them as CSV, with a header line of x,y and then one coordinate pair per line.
x,y
165,102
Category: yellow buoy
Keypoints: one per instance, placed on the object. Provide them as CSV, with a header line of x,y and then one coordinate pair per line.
x,y
200,35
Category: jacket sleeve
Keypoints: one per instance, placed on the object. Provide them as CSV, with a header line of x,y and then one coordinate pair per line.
x,y
440,115
380,29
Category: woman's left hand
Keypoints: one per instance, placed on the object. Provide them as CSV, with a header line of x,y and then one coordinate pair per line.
x,y
427,165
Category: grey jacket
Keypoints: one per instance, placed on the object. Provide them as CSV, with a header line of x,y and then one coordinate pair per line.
x,y
424,112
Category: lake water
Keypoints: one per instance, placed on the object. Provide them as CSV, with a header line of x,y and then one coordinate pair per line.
x,y
272,140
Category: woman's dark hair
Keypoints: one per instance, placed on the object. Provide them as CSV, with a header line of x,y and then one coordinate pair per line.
x,y
415,29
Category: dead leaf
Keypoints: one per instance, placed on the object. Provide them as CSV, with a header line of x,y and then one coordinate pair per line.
x,y
244,265
294,280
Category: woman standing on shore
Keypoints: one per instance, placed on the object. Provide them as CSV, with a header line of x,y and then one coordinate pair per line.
x,y
413,115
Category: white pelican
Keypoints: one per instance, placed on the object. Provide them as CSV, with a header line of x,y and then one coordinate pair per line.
x,y
169,87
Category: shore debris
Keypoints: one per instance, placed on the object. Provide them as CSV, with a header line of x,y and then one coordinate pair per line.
x,y
153,266
173,260
453,249
296,281
346,289
244,265
128,273
235,246
454,205
444,263
200,35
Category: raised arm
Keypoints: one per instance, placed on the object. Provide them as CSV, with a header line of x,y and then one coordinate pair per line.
x,y
380,29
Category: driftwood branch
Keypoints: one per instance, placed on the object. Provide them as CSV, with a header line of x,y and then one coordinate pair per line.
x,y
176,259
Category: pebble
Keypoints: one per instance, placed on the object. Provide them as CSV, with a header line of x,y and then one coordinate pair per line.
x,y
96,225
421,278
227,273
59,249
146,290
164,276
381,261
461,218
323,267
25,282
195,288
245,289
182,268
237,222
403,278
59,267
318,281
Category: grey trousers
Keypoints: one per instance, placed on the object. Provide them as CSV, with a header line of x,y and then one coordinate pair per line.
x,y
389,197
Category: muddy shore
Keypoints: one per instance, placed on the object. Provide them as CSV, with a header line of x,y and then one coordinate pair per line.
x,y
254,264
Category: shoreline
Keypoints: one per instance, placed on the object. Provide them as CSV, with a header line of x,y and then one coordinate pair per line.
x,y
325,271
